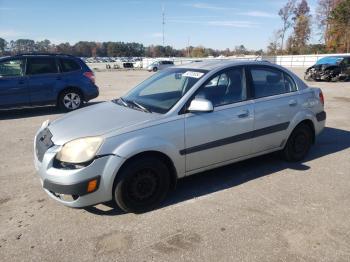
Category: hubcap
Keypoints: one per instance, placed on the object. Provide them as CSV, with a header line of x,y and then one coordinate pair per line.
x,y
71,101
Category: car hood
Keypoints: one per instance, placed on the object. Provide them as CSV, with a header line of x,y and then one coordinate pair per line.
x,y
96,120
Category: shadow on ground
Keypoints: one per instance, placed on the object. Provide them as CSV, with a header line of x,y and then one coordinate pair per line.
x,y
332,140
34,111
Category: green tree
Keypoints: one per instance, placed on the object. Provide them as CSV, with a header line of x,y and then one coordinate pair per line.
x,y
340,18
43,46
302,28
198,51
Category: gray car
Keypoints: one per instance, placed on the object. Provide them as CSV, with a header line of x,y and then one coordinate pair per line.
x,y
180,121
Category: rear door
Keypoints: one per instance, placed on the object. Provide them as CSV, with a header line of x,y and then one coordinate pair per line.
x,y
43,78
276,102
13,84
224,134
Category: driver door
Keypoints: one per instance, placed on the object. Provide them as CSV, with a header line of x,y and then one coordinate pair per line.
x,y
224,134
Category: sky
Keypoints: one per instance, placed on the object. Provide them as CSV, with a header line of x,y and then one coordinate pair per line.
x,y
217,24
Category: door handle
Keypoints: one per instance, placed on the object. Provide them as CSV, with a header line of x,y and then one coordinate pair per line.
x,y
21,82
293,102
58,78
243,113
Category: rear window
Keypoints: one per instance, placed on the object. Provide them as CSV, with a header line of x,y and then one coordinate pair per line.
x,y
69,65
41,65
269,82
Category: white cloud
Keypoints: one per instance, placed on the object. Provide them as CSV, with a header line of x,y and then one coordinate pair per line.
x,y
9,33
258,14
239,24
209,6
226,23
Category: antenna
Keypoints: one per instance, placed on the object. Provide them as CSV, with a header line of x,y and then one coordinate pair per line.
x,y
163,22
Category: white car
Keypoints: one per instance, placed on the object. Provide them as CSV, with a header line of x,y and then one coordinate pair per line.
x,y
180,121
159,65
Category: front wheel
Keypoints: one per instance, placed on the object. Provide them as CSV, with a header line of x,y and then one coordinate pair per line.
x,y
142,184
155,69
298,144
70,100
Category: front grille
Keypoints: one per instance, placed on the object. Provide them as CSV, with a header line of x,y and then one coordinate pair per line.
x,y
43,143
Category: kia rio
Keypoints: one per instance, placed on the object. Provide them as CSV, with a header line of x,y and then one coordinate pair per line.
x,y
180,121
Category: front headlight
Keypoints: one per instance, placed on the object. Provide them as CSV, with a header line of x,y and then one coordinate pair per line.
x,y
80,150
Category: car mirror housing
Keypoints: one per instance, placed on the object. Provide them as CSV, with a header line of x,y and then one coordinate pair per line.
x,y
200,105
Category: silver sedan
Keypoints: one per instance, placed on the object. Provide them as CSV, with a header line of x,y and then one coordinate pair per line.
x,y
180,121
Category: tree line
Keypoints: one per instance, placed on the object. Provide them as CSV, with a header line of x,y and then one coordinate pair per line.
x,y
115,49
332,21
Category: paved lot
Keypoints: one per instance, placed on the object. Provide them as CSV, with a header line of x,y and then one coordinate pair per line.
x,y
259,210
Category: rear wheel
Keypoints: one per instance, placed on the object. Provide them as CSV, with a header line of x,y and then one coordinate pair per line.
x,y
70,100
142,184
155,69
298,144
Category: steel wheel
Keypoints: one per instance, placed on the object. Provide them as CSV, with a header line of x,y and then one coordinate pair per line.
x,y
142,184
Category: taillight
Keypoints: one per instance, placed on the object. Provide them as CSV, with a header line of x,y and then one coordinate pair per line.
x,y
90,75
321,97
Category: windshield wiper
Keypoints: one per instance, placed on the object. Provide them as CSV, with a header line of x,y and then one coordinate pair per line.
x,y
141,107
123,102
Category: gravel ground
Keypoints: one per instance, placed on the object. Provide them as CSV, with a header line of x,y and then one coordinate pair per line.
x,y
262,209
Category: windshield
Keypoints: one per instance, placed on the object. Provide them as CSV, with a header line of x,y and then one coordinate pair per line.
x,y
160,92
332,60
154,63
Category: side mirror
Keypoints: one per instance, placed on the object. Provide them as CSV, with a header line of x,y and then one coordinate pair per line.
x,y
200,105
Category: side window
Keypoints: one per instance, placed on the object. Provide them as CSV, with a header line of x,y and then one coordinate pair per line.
x,y
346,61
12,68
69,65
268,82
226,88
41,65
289,83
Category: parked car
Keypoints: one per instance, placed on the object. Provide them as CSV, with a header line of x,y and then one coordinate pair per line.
x,y
160,65
330,68
180,121
41,79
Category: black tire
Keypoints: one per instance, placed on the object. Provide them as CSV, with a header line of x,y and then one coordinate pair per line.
x,y
298,144
76,100
155,69
142,184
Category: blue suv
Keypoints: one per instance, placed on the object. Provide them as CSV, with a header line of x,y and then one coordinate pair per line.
x,y
42,79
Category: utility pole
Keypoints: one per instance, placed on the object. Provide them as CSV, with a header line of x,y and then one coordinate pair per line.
x,y
163,22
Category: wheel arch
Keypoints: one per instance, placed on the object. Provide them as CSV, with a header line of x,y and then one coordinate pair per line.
x,y
164,157
310,124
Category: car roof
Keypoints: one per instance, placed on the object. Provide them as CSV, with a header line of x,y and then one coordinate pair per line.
x,y
43,54
217,64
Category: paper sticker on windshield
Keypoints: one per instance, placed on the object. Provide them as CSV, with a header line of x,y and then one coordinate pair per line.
x,y
193,74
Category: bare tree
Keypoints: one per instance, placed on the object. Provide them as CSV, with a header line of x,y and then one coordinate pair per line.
x,y
286,13
272,48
